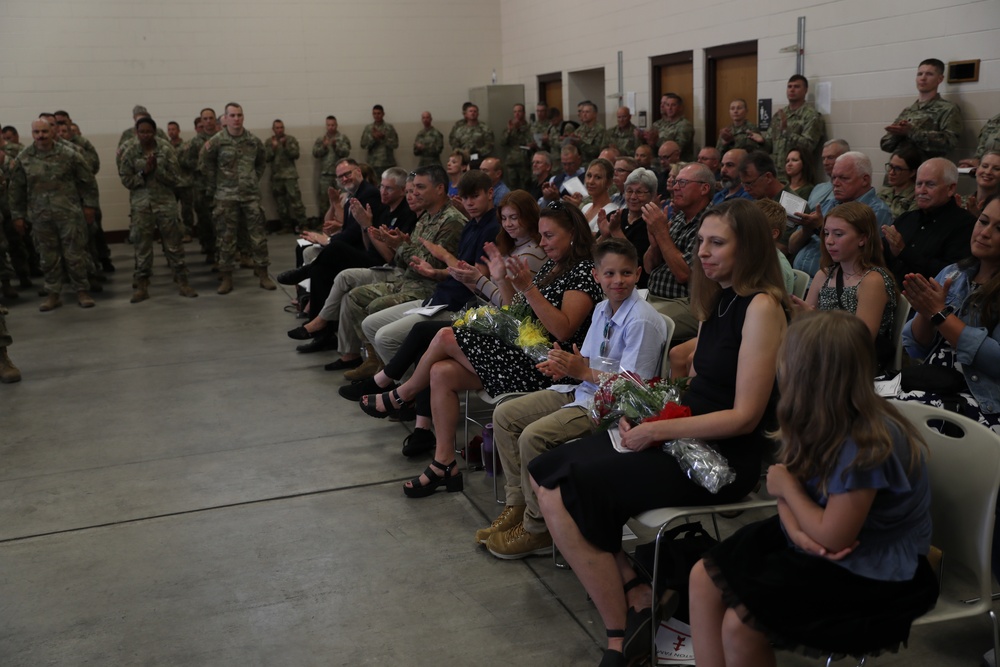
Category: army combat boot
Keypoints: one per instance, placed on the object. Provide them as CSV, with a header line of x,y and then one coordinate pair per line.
x,y
225,282
8,371
141,292
265,280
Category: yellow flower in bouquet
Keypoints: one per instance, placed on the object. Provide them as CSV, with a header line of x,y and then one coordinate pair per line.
x,y
531,333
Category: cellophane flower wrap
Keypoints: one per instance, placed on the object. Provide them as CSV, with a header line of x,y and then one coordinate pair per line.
x,y
627,395
514,325
701,463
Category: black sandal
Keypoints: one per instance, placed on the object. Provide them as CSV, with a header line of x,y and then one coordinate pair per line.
x,y
638,627
452,483
613,658
371,407
355,390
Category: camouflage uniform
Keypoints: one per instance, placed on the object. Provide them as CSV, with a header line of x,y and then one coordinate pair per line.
x,y
474,139
989,137
5,339
625,140
433,145
51,188
380,151
19,247
202,191
804,129
546,137
935,126
741,139
285,182
591,141
328,156
517,162
129,134
153,206
445,228
898,203
232,166
681,131
184,190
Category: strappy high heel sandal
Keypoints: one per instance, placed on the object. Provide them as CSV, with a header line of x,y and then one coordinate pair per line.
x,y
451,482
640,624
613,658
370,407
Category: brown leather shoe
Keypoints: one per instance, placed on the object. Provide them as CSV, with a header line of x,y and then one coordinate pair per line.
x,y
369,368
141,292
52,301
84,299
9,373
225,282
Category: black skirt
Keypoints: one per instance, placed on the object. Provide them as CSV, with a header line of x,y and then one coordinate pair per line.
x,y
807,603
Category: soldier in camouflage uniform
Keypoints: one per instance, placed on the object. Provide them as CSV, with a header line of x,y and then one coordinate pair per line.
x,y
672,126
932,123
203,193
544,134
8,371
471,136
329,149
19,246
281,152
149,169
741,134
989,140
624,135
516,137
183,191
429,143
590,137
138,111
797,126
51,186
232,162
380,140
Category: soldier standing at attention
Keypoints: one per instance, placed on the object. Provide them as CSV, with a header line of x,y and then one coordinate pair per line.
x,y
281,152
232,163
52,186
741,134
672,126
329,149
203,195
624,134
148,168
471,136
590,137
429,143
932,123
183,189
517,140
544,135
380,140
798,126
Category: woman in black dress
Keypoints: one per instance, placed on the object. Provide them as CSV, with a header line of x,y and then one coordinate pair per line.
x,y
588,490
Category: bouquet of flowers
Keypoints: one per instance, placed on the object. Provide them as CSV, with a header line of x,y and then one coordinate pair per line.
x,y
514,325
625,394
703,465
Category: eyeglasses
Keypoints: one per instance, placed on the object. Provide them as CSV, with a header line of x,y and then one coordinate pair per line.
x,y
750,184
620,170
606,343
894,169
642,192
683,182
345,176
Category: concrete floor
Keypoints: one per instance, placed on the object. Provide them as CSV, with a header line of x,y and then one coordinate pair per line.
x,y
179,487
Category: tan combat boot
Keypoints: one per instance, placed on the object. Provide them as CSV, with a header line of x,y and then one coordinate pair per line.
x,y
225,282
141,292
9,373
369,368
265,280
84,299
185,289
52,301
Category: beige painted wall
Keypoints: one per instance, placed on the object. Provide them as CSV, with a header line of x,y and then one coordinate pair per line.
x,y
301,59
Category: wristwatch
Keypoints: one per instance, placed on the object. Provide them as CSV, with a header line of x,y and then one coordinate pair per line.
x,y
938,318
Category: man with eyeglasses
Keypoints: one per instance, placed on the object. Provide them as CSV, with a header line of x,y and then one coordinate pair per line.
x,y
232,162
759,178
669,154
823,192
623,166
729,172
541,172
672,244
852,181
935,235
932,123
624,134
571,168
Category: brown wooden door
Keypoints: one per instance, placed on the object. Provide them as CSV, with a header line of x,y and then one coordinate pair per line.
x,y
554,95
731,72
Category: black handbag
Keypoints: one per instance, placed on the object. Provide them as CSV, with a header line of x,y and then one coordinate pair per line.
x,y
680,549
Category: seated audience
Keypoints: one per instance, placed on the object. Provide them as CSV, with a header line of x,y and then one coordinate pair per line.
x,y
777,218
900,176
842,568
729,175
823,192
597,181
588,490
455,167
541,172
987,183
799,174
624,165
624,328
926,240
562,296
572,167
853,277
